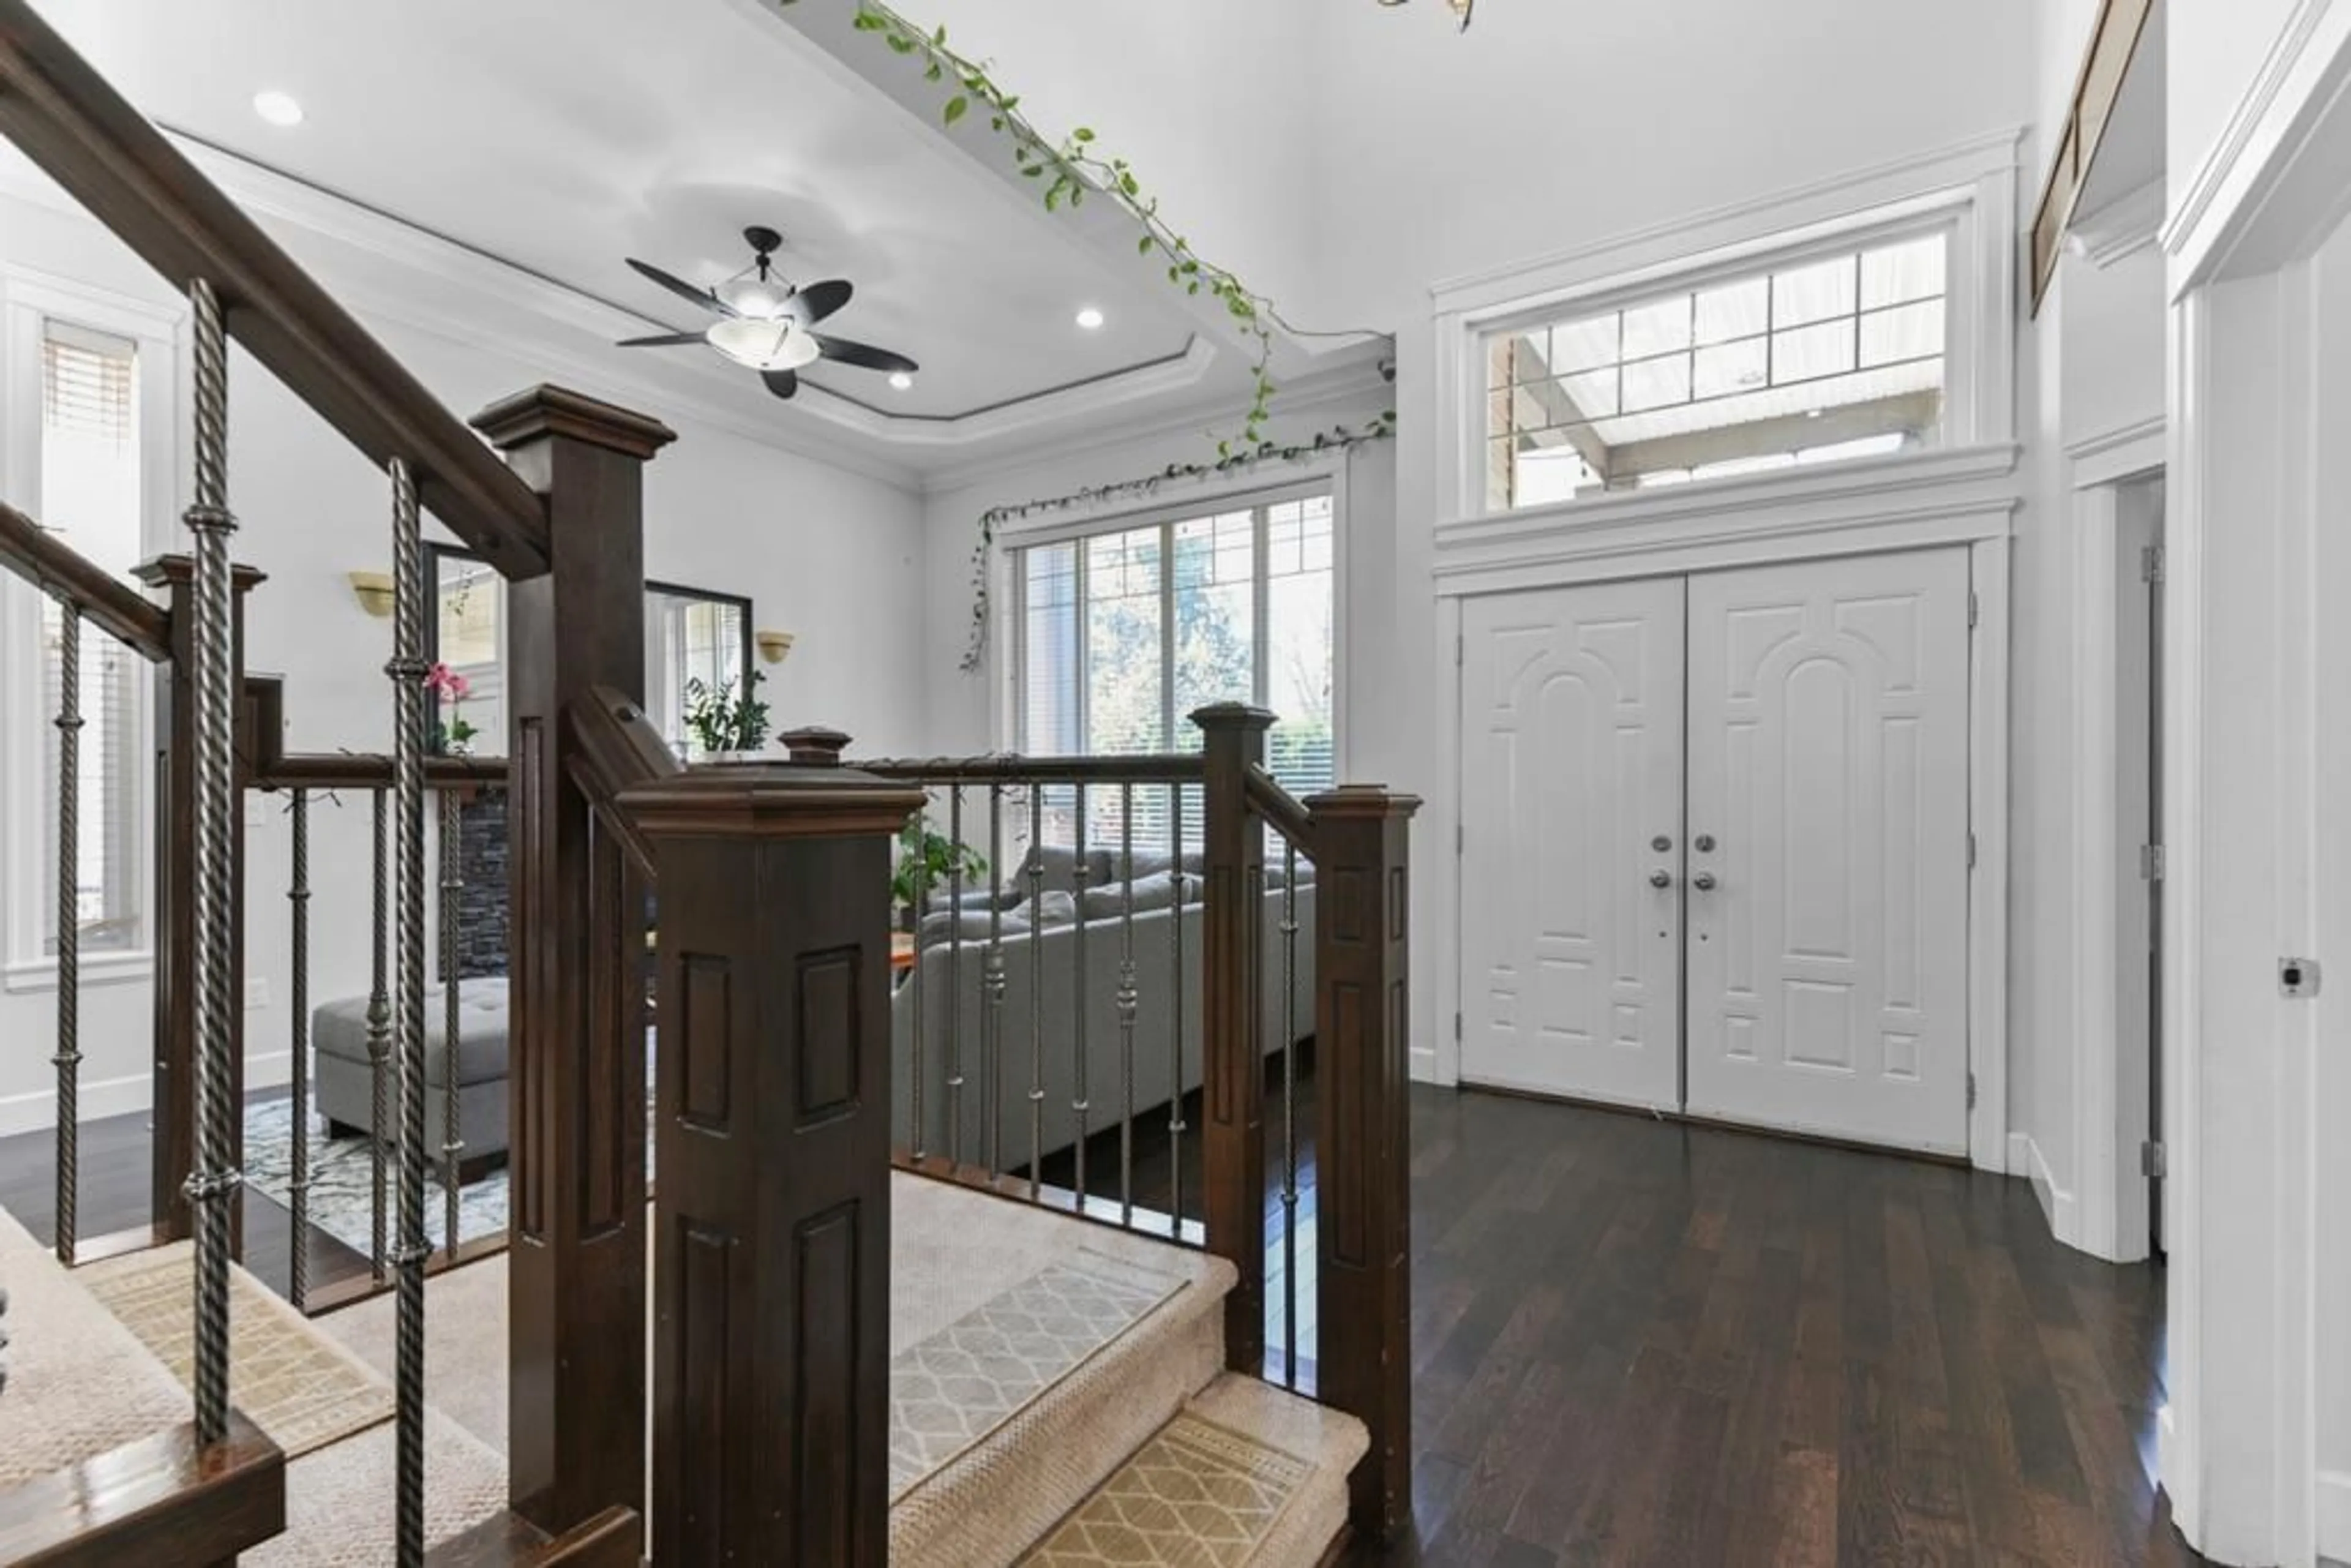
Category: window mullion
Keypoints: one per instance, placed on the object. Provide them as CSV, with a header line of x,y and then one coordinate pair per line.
x,y
1168,633
1260,553
1081,627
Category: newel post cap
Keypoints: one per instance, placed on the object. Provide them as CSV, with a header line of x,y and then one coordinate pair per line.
x,y
1234,716
807,795
537,413
1358,801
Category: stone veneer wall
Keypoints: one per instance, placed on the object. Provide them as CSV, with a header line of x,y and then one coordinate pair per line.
x,y
482,902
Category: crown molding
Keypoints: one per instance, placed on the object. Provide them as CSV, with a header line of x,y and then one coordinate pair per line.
x,y
2131,223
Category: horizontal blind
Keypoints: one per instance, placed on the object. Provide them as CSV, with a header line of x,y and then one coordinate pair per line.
x,y
90,498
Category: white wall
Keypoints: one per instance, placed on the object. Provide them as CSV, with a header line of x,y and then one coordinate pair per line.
x,y
2217,49
824,553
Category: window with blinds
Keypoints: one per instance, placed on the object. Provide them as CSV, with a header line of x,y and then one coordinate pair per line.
x,y
1124,632
89,495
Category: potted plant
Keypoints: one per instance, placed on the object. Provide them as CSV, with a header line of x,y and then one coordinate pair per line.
x,y
726,728
451,735
927,861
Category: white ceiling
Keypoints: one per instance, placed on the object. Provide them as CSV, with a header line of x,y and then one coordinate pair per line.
x,y
563,135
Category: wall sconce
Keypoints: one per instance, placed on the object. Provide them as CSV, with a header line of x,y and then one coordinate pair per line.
x,y
773,645
373,590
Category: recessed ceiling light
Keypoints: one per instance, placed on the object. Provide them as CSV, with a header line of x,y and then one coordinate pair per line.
x,y
1091,318
902,380
277,108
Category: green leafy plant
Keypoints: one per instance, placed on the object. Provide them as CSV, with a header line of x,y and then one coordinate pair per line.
x,y
928,860
719,720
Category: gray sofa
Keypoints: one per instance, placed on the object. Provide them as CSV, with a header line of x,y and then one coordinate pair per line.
x,y
1045,959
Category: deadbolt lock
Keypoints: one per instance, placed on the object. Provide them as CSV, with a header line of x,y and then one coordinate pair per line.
x,y
1661,843
1705,843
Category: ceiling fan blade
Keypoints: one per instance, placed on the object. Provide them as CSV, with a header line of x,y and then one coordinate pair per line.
x,y
783,383
819,300
681,287
864,354
659,341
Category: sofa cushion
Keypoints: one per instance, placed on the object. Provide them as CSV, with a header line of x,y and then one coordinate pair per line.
x,y
1061,866
1055,908
1152,863
1157,891
340,1029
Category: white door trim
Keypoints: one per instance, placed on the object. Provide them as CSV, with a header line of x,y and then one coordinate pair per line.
x,y
1984,530
2107,1165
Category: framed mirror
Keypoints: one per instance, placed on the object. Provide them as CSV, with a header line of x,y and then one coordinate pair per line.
x,y
691,635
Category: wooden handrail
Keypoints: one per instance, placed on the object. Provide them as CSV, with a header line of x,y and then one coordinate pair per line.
x,y
1282,810
82,133
372,771
615,748
1010,768
48,562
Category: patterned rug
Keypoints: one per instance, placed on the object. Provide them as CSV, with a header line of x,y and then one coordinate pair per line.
x,y
297,1385
955,1388
1196,1496
343,1182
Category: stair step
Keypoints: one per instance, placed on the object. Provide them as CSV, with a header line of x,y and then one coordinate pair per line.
x,y
1031,1353
340,1500
1245,1477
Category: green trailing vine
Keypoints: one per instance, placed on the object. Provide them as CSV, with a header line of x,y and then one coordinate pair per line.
x,y
1343,438
1068,172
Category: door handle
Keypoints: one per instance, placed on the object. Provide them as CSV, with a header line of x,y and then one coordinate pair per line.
x,y
1661,880
1703,882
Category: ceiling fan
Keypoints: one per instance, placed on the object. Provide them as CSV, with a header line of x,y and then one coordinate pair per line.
x,y
766,323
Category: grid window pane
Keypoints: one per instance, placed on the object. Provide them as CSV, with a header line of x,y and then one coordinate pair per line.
x,y
1717,380
1120,699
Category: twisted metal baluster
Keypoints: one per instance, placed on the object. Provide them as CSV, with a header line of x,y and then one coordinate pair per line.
x,y
1080,878
68,1059
379,1023
1129,997
1176,1015
298,896
955,974
453,883
407,669
991,1017
212,1185
1036,990
1290,1113
917,836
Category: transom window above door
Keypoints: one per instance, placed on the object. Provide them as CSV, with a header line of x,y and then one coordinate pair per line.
x,y
1815,359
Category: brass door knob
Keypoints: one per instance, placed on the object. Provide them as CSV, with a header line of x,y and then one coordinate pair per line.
x,y
1703,882
1661,879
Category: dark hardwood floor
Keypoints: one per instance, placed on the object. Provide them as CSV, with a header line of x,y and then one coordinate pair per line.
x,y
112,1195
1636,1342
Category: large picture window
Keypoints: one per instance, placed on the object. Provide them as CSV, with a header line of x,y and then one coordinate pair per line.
x,y
1122,632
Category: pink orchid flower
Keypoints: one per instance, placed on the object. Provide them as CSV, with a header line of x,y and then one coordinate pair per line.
x,y
451,685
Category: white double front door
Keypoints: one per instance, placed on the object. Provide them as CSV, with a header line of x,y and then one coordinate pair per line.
x,y
1715,845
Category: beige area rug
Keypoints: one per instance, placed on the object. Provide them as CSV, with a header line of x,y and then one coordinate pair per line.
x,y
464,1344
956,1387
1197,1495
291,1380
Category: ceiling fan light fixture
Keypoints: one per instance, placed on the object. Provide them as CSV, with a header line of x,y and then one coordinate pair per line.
x,y
902,380
764,345
754,298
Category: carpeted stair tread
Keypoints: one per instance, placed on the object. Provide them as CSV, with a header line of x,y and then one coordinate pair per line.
x,y
340,1499
79,1383
1245,1477
1031,1353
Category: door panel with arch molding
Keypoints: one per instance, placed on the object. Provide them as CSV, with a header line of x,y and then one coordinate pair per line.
x,y
1827,934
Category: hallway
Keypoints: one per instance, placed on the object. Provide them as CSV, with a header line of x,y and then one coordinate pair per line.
x,y
1636,1342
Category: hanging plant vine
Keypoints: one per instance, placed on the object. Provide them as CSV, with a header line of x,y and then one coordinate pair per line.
x,y
1066,172
1343,438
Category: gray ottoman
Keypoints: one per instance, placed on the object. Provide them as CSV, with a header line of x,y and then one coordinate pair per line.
x,y
345,1083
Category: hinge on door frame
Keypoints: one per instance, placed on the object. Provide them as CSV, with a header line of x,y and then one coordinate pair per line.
x,y
1975,609
1457,1026
1971,1091
1971,850
1460,839
2154,1161
1460,648
2151,866
2150,563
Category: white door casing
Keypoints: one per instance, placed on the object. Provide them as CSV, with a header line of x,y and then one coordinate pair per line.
x,y
1571,771
1829,713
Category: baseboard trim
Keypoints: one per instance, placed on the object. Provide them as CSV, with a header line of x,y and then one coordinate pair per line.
x,y
37,1111
2057,1206
2334,1495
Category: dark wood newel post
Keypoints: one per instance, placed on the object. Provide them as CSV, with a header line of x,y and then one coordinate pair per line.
x,y
172,931
1362,1011
771,1359
1232,1021
576,1321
